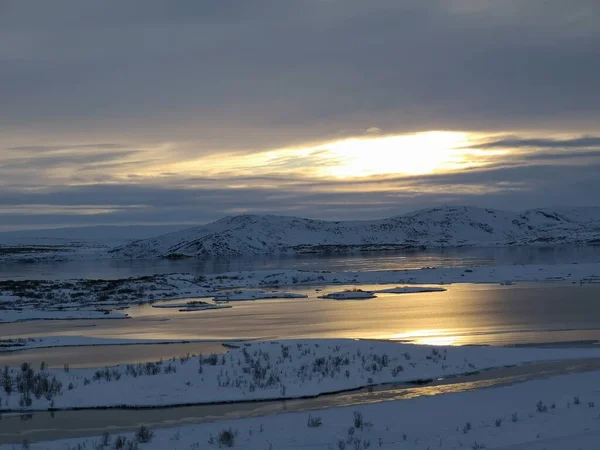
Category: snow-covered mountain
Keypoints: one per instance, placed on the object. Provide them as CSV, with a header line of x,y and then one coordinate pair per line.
x,y
429,228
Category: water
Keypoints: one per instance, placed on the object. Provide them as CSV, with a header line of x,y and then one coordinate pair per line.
x,y
464,314
107,355
453,257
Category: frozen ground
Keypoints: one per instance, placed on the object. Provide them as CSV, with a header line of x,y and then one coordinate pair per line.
x,y
266,370
561,413
43,299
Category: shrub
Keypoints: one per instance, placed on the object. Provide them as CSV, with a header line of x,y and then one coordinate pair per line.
x,y
314,422
541,407
226,438
396,370
358,420
467,427
7,381
120,442
144,435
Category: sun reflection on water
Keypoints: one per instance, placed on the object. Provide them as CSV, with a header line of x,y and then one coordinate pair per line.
x,y
428,337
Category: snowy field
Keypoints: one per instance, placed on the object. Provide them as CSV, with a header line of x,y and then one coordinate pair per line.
x,y
253,371
561,413
92,299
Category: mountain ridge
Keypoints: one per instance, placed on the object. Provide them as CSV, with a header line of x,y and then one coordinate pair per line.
x,y
446,226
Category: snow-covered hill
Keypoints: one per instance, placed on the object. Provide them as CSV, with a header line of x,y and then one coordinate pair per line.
x,y
429,228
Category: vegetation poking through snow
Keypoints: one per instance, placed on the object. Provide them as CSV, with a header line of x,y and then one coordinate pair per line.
x,y
261,370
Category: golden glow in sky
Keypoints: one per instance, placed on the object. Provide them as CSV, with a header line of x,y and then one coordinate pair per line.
x,y
409,154
413,154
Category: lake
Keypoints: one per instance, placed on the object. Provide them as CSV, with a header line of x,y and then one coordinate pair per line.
x,y
464,314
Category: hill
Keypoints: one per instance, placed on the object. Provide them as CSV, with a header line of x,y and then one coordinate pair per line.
x,y
428,228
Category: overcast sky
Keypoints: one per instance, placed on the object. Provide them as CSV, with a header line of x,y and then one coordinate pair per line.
x,y
183,111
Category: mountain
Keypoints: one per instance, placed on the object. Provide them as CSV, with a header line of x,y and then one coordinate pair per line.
x,y
428,228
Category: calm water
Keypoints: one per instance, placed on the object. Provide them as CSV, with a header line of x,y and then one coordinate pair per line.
x,y
464,314
339,262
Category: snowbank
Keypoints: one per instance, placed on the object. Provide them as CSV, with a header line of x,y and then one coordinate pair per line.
x,y
269,370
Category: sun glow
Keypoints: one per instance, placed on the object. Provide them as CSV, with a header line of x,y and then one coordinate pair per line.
x,y
358,157
413,154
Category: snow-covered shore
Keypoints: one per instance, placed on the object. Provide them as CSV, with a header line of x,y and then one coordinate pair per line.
x,y
258,371
552,414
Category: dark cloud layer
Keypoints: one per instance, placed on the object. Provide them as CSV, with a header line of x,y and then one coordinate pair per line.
x,y
89,86
311,68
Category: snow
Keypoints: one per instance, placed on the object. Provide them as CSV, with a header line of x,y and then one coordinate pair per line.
x,y
349,295
505,417
409,290
429,228
273,370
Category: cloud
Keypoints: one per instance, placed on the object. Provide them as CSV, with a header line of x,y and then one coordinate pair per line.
x,y
63,160
270,73
516,142
113,103
199,200
53,148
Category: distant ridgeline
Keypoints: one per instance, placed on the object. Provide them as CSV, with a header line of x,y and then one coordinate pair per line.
x,y
429,228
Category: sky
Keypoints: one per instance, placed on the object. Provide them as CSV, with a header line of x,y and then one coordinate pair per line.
x,y
185,111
